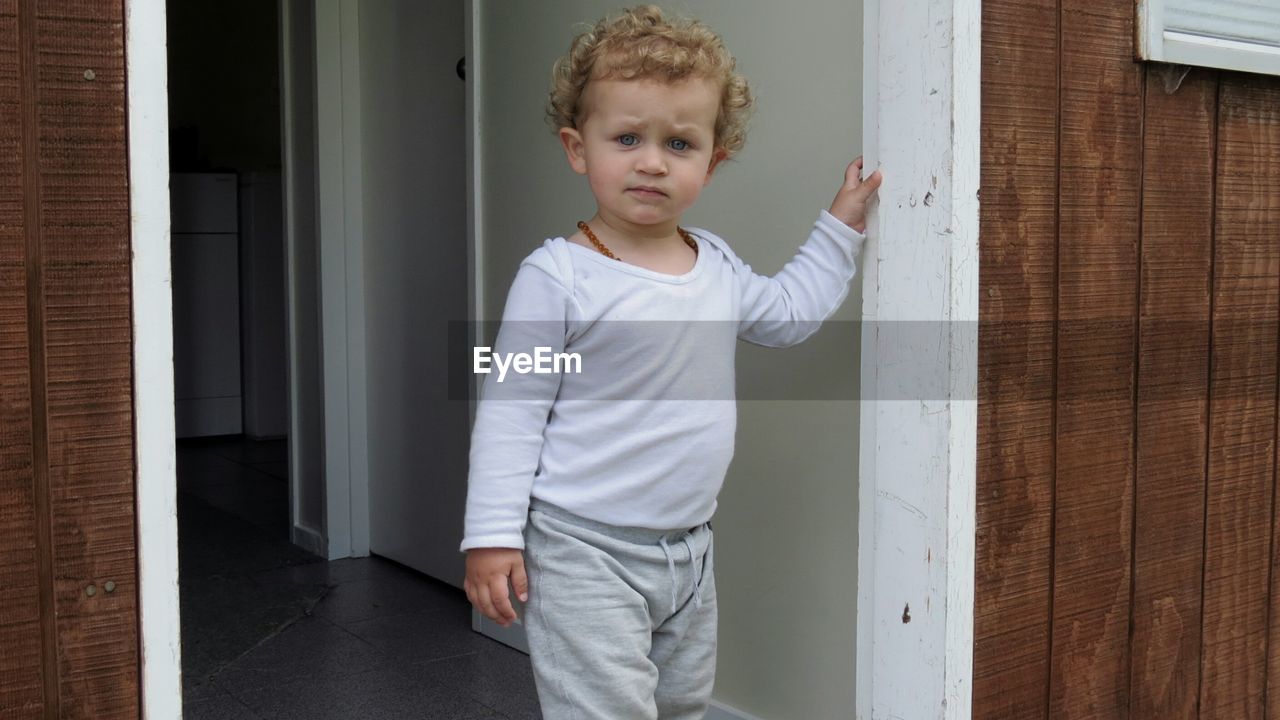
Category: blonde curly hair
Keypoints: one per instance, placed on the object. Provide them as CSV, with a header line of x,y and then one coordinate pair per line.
x,y
642,43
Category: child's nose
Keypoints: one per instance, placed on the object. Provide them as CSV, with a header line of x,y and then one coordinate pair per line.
x,y
652,162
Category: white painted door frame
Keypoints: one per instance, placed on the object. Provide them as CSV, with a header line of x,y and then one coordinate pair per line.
x,y
309,537
340,230
153,404
917,468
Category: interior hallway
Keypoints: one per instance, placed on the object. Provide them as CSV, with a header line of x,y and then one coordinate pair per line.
x,y
271,631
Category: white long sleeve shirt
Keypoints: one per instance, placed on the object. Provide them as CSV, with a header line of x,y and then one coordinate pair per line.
x,y
640,433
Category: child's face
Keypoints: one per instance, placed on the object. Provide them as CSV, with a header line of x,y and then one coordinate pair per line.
x,y
646,133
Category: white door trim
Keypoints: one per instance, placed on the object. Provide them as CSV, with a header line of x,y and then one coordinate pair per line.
x,y
310,538
475,198
919,361
340,226
157,492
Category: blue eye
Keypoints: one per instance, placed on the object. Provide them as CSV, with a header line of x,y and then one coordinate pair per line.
x,y
683,142
624,137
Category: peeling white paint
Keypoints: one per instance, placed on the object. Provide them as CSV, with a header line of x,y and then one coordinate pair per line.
x,y
918,454
906,505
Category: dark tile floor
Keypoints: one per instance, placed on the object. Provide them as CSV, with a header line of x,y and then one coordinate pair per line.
x,y
271,631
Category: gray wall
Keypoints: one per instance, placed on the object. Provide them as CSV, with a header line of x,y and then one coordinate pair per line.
x,y
413,134
786,527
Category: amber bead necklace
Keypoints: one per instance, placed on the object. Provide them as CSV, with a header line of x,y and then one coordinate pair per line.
x,y
688,240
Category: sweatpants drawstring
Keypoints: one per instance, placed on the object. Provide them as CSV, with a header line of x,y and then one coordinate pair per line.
x,y
671,565
697,574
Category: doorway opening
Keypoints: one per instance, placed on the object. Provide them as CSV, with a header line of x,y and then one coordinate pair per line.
x,y
230,331
268,623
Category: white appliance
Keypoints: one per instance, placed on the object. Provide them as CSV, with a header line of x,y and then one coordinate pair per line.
x,y
205,247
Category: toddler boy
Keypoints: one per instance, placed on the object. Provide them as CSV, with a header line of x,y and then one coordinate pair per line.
x,y
605,480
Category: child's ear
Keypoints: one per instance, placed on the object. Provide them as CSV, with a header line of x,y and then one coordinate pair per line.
x,y
716,157
574,149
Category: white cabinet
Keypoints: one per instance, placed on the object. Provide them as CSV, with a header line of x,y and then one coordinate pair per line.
x,y
206,304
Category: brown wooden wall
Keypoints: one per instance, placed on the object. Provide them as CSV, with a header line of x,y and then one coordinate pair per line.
x,y
66,438
1130,299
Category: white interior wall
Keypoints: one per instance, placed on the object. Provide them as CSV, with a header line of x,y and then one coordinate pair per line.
x,y
786,526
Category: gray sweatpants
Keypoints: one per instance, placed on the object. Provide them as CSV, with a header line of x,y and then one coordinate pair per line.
x,y
621,621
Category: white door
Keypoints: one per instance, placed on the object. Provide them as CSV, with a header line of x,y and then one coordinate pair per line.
x,y
412,131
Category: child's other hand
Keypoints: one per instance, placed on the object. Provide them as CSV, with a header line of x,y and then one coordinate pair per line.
x,y
850,205
486,582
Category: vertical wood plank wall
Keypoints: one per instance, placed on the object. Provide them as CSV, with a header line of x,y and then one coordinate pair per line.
x,y
1130,308
67,514
20,628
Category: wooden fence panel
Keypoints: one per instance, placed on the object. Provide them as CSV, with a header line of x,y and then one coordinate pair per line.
x,y
1142,495
1016,309
21,692
68,554
1099,162
1238,518
1173,369
1263,215
84,211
